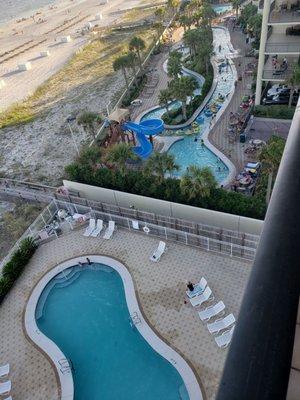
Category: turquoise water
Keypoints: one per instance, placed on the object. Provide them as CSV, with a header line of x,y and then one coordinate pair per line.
x,y
190,152
222,8
86,315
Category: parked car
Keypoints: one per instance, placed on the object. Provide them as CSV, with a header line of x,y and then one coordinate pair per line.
x,y
282,99
136,102
276,89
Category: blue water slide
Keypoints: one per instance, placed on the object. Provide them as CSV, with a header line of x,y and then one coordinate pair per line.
x,y
150,127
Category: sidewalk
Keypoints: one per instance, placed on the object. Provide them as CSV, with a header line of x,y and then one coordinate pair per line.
x,y
217,136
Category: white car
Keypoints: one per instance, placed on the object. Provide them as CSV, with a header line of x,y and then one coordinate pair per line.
x,y
275,89
136,102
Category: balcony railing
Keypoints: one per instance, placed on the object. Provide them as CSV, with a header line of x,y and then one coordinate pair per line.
x,y
259,359
283,48
272,75
289,17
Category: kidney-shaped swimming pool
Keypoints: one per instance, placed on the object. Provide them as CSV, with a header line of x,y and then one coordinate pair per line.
x,y
84,311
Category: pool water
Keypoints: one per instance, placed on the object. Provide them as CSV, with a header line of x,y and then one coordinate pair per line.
x,y
84,311
222,8
190,152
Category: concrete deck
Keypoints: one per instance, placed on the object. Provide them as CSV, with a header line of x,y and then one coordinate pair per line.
x,y
160,288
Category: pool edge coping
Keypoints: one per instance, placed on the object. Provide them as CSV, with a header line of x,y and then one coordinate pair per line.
x,y
154,339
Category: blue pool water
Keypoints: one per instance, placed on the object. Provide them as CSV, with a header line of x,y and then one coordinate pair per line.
x,y
222,8
86,315
187,151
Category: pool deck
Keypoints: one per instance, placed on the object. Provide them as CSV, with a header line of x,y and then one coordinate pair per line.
x,y
161,292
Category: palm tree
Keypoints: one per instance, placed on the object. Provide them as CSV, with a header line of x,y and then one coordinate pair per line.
x,y
208,13
164,97
205,52
185,22
121,63
159,164
87,119
197,182
236,6
137,44
174,64
132,61
181,89
270,158
294,82
192,39
118,156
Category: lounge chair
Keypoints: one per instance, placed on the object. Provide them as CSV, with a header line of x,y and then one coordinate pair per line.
x,y
158,252
212,311
225,339
5,388
205,296
135,224
220,324
198,288
90,228
96,232
110,230
4,370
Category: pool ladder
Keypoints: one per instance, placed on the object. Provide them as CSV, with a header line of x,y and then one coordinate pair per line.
x,y
65,366
135,319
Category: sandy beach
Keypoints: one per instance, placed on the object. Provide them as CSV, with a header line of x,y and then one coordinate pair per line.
x,y
24,41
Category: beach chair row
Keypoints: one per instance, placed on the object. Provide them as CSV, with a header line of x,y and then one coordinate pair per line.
x,y
94,229
201,294
5,387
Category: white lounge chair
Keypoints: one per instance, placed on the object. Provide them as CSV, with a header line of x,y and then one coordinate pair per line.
x,y
198,288
220,324
4,370
205,296
211,311
158,252
135,224
5,388
224,340
96,232
110,230
90,228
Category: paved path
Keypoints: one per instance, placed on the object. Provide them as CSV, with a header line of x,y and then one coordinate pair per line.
x,y
217,136
161,290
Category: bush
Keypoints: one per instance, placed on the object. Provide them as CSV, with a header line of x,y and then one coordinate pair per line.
x,y
14,267
169,189
134,90
280,112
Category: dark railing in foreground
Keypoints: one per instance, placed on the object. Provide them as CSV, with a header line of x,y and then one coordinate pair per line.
x,y
259,359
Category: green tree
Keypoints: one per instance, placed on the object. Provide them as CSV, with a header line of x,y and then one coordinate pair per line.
x,y
197,182
183,88
192,39
185,22
132,61
138,45
174,64
236,4
164,97
204,53
90,156
119,154
121,63
159,164
294,82
254,25
270,157
87,119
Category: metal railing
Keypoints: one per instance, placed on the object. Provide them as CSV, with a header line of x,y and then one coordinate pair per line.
x,y
283,48
272,75
201,236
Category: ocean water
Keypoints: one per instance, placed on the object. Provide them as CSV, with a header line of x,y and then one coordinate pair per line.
x,y
11,9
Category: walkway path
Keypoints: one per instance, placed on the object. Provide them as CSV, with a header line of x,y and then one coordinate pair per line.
x,y
217,135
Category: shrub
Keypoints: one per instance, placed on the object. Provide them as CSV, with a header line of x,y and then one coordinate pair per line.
x,y
134,90
14,267
169,189
280,112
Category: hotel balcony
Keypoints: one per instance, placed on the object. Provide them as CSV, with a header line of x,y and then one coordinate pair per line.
x,y
283,44
280,74
284,17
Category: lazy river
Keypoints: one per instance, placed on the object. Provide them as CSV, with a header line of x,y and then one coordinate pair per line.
x,y
190,150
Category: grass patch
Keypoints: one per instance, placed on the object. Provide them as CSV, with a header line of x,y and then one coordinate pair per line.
x,y
280,112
